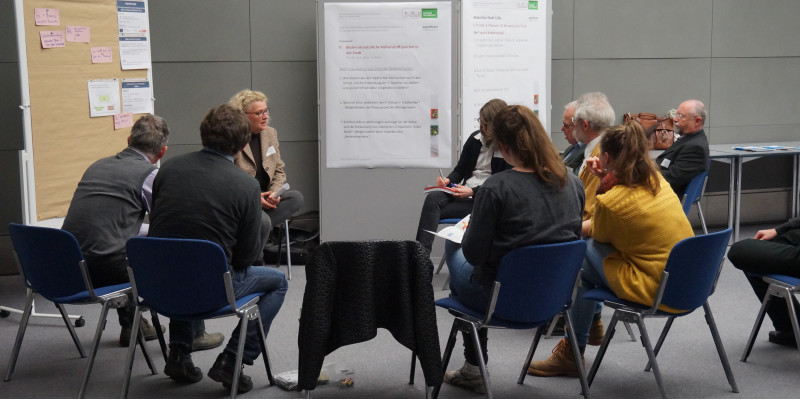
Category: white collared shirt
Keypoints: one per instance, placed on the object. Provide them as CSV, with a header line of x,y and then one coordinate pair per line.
x,y
587,152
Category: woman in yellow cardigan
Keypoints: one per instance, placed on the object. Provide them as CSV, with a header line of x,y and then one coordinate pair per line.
x,y
637,220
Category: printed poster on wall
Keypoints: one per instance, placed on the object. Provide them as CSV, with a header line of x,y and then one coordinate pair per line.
x,y
134,34
505,56
388,84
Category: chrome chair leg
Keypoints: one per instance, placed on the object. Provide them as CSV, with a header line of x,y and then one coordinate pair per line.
x,y
476,343
95,345
237,370
759,320
534,345
23,325
712,326
573,341
262,338
603,347
71,330
651,355
448,351
661,338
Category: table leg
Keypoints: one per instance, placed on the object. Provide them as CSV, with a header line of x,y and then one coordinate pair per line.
x,y
738,206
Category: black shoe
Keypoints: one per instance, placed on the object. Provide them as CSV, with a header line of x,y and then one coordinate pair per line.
x,y
785,338
181,368
223,369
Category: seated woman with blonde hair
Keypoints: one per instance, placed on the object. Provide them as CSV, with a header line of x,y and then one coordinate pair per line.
x,y
637,220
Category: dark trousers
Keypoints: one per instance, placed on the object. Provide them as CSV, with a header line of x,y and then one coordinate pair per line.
x,y
780,255
291,202
439,205
111,270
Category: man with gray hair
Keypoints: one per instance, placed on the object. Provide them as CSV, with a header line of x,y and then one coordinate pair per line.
x,y
593,116
572,155
688,156
108,208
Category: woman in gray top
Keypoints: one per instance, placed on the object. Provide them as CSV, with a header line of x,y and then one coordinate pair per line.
x,y
535,202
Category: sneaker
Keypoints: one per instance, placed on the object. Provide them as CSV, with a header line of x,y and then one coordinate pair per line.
x,y
785,338
181,368
596,332
223,369
468,377
560,363
147,329
207,341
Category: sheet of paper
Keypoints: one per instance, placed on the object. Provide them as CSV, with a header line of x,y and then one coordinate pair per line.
x,y
124,120
388,84
137,96
103,97
134,35
101,55
454,233
47,16
51,39
78,34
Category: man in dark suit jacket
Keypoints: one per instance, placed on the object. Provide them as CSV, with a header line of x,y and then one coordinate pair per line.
x,y
203,195
688,156
573,155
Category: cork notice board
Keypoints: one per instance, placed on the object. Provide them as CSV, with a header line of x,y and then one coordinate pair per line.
x,y
65,139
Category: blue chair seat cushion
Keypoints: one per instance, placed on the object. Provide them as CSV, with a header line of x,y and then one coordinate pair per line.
x,y
83,296
222,311
603,294
457,308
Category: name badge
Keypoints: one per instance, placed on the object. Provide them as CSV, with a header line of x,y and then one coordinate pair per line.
x,y
270,151
665,163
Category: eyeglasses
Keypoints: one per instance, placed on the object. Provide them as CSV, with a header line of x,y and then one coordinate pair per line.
x,y
681,116
260,114
565,126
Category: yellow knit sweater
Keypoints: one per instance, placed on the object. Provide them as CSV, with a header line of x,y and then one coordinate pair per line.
x,y
643,228
590,184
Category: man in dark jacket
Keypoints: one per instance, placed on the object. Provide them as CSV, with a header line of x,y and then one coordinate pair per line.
x,y
771,251
688,156
203,195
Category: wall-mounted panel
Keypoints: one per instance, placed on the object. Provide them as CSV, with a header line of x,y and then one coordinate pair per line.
x,y
563,29
642,28
200,30
11,132
561,91
644,85
11,209
184,92
302,170
756,91
291,89
744,28
283,30
8,33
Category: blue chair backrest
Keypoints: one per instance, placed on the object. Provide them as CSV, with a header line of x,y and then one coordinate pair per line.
x,y
178,277
693,265
50,260
537,281
694,190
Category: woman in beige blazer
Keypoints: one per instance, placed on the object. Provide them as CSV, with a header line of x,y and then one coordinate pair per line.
x,y
261,158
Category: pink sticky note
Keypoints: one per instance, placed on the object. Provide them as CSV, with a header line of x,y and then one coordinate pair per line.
x,y
78,34
52,39
101,55
124,120
46,16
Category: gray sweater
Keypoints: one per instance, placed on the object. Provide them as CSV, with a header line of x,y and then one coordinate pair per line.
x,y
514,209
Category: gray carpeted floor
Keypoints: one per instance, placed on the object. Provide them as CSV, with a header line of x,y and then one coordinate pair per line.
x,y
49,365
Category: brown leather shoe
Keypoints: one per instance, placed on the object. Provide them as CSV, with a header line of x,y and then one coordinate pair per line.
x,y
596,333
560,363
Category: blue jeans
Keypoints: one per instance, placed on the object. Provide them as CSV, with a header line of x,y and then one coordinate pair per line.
x,y
593,276
252,280
470,293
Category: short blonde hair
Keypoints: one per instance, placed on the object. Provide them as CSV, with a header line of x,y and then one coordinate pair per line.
x,y
246,97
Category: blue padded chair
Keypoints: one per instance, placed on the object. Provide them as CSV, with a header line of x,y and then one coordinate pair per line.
x,y
694,193
188,279
534,285
52,264
780,286
688,280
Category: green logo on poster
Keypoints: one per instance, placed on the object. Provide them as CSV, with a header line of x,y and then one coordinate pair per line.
x,y
429,13
533,5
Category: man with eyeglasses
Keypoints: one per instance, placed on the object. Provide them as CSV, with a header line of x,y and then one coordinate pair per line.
x,y
261,159
573,155
688,156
